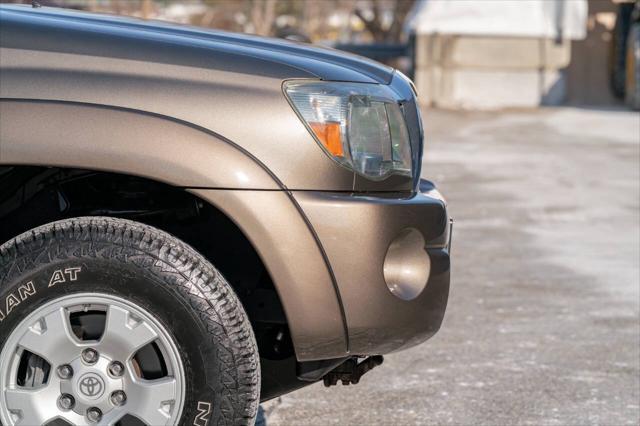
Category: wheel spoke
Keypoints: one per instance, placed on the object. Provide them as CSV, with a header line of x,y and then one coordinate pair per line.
x,y
152,401
112,417
74,418
32,406
51,338
124,334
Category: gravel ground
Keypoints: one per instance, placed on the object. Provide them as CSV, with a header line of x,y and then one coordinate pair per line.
x,y
543,321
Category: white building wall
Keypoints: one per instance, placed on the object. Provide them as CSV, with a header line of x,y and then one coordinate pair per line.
x,y
505,18
495,54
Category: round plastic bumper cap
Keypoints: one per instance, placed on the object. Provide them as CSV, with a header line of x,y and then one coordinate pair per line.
x,y
407,265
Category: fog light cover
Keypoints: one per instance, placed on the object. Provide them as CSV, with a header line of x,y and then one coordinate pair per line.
x,y
407,265
361,126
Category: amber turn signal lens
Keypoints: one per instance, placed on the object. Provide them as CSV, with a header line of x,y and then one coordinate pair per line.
x,y
329,134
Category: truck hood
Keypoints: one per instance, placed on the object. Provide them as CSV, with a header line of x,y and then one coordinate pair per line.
x,y
67,31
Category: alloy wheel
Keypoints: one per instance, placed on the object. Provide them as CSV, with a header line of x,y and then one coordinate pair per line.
x,y
89,359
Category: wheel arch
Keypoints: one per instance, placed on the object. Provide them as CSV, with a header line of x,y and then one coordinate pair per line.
x,y
70,137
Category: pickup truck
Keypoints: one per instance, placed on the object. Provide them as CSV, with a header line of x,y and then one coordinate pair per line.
x,y
193,221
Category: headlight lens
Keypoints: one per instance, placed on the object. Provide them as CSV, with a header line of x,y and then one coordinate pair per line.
x,y
361,126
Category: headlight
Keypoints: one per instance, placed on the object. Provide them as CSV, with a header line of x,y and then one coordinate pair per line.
x,y
361,126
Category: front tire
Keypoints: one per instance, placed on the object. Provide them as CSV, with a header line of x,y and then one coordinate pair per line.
x,y
179,322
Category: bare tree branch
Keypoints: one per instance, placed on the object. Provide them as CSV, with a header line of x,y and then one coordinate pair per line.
x,y
374,25
263,16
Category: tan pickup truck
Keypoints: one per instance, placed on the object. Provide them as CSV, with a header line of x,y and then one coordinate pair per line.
x,y
193,221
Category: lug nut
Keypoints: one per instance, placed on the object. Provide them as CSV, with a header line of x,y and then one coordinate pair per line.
x,y
118,398
65,372
94,415
116,369
66,401
90,356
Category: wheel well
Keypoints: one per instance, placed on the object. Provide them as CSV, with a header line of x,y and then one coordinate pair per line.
x,y
33,196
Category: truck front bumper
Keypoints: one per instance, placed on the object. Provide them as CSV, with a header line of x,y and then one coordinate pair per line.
x,y
389,254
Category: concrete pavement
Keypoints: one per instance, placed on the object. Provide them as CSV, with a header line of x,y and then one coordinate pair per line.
x,y
543,321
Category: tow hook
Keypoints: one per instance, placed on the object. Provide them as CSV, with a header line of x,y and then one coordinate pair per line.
x,y
350,371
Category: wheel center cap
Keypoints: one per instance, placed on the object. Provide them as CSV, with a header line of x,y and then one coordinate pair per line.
x,y
91,386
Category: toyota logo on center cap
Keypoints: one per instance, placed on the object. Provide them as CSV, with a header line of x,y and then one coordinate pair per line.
x,y
91,385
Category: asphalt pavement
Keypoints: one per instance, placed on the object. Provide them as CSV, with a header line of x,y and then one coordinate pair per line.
x,y
543,323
